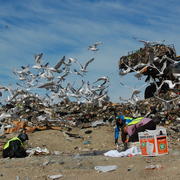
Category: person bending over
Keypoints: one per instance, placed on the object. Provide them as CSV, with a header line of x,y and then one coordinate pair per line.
x,y
14,147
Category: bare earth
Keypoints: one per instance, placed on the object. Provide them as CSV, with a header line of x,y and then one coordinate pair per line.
x,y
66,158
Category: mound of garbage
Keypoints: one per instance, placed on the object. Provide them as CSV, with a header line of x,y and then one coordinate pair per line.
x,y
32,114
158,62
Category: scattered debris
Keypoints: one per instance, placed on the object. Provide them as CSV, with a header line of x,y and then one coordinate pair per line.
x,y
88,132
37,151
55,176
133,151
152,166
87,142
105,168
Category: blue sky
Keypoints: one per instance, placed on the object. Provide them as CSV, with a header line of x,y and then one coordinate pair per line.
x,y
68,27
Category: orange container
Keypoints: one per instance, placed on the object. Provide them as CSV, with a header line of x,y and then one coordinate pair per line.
x,y
153,143
162,145
144,140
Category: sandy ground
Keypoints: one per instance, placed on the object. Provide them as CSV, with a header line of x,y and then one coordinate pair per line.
x,y
66,158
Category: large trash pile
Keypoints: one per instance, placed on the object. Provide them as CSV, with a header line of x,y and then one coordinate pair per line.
x,y
32,114
158,62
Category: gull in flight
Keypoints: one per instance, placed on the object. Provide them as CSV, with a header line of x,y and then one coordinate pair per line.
x,y
78,73
58,65
148,43
104,78
167,102
47,85
84,68
94,46
169,82
135,91
38,58
62,78
70,61
24,71
47,74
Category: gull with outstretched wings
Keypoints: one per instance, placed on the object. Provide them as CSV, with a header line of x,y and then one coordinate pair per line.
x,y
61,61
168,82
94,46
104,78
135,91
38,58
84,68
167,103
47,85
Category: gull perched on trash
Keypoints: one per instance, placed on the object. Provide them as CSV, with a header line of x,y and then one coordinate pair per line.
x,y
94,46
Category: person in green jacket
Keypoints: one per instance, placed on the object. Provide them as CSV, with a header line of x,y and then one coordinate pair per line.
x,y
14,147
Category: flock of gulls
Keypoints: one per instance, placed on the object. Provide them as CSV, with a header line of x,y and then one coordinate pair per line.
x,y
53,84
161,66
56,82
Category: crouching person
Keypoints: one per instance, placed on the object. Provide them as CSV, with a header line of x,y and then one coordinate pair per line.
x,y
14,147
130,127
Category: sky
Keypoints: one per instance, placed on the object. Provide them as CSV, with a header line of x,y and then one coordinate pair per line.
x,y
67,27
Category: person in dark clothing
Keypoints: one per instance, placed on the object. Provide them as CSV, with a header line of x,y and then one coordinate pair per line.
x,y
14,147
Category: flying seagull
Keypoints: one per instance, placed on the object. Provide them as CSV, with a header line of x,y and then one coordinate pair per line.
x,y
58,65
167,102
104,78
84,68
94,46
38,58
135,91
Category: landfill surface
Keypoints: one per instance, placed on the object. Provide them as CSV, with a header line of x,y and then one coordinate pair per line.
x,y
76,134
77,157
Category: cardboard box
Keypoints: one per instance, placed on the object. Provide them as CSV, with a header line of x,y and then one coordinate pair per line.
x,y
153,142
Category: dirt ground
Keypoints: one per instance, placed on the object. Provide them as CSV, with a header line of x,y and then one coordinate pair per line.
x,y
76,157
